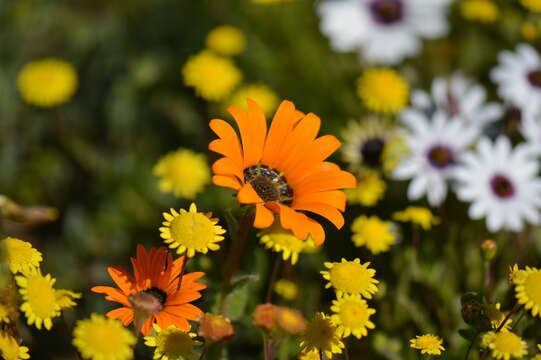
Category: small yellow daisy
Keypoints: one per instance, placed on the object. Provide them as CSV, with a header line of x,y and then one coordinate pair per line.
x,y
383,90
428,344
10,349
515,274
484,11
321,335
47,82
261,94
191,231
64,298
39,298
351,277
280,240
172,343
226,40
286,289
377,235
212,76
532,5
182,172
309,355
420,216
528,289
504,345
352,316
99,338
21,256
370,189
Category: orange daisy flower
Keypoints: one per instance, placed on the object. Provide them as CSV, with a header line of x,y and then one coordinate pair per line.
x,y
154,291
282,171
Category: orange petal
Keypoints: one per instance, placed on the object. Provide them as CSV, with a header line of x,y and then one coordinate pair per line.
x,y
247,195
281,126
173,319
328,212
252,134
292,220
325,181
334,198
122,278
229,144
182,297
124,314
316,231
146,329
187,311
263,217
226,181
320,149
226,166
113,294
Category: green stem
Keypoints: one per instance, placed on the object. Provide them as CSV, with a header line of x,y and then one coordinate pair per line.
x,y
471,346
273,276
204,351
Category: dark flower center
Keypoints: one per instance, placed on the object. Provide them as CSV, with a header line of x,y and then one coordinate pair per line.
x,y
269,184
386,11
371,151
502,186
149,301
440,156
535,78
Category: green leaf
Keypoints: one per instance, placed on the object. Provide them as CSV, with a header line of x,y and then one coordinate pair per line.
x,y
237,299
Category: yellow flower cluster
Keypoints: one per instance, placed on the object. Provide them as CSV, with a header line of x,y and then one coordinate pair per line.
x,y
172,343
383,90
419,216
428,344
375,234
504,345
280,240
370,189
528,288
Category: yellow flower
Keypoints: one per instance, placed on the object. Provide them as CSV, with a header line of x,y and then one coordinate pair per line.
x,y
10,349
99,338
528,31
212,76
280,240
370,189
420,216
383,90
375,234
172,343
47,82
484,11
352,316
428,344
286,289
515,274
21,256
351,277
39,298
321,335
64,298
191,231
261,94
504,344
226,40
528,289
493,313
532,5
309,355
183,172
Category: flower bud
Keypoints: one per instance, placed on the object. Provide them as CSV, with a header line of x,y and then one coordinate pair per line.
x,y
215,328
488,249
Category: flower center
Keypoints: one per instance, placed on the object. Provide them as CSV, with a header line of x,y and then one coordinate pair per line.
x,y
103,339
193,230
175,343
350,277
386,11
41,297
371,151
440,156
507,342
535,78
502,186
149,301
269,184
532,287
353,314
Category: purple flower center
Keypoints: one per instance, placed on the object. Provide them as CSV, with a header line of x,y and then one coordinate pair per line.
x,y
386,11
371,151
535,78
440,156
502,186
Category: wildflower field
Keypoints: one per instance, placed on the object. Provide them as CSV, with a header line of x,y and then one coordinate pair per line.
x,y
270,179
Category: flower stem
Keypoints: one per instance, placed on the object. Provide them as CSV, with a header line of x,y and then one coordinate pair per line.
x,y
273,276
204,351
235,253
181,273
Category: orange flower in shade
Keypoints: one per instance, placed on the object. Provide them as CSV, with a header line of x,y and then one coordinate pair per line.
x,y
282,171
154,291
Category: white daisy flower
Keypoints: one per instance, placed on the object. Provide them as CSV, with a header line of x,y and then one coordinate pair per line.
x,y
530,128
436,146
459,97
501,183
518,77
384,31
